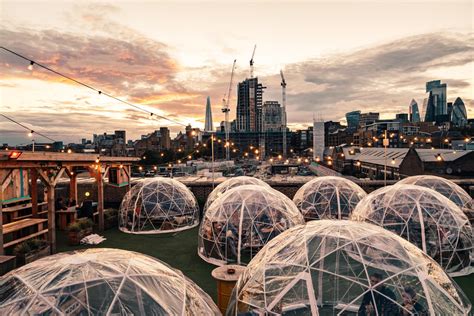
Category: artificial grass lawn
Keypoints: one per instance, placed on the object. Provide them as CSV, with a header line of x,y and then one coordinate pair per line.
x,y
180,251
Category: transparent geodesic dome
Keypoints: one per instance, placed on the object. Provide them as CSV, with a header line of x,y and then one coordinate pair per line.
x,y
447,188
328,198
241,221
230,184
340,267
158,205
425,218
101,281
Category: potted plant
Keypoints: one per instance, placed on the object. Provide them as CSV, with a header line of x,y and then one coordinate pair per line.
x,y
86,226
31,250
110,218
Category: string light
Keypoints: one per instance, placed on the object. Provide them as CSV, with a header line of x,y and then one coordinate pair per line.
x,y
30,134
32,62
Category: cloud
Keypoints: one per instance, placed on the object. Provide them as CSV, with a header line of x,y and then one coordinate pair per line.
x,y
118,60
382,78
100,61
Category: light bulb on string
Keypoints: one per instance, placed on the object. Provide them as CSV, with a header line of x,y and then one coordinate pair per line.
x,y
30,134
30,66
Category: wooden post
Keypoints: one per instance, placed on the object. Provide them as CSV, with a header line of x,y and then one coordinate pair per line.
x,y
100,197
73,187
50,184
51,218
34,191
1,221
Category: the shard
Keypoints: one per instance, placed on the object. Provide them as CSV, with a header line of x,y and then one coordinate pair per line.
x,y
208,122
414,112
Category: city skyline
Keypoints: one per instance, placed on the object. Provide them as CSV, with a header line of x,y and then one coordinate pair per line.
x,y
149,61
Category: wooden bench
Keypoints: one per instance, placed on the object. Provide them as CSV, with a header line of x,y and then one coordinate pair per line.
x,y
16,228
12,213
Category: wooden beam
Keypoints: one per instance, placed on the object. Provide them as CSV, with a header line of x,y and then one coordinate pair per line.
x,y
44,176
34,191
100,198
58,176
5,183
105,173
51,218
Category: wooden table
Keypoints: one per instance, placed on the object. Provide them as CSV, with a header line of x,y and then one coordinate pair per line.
x,y
18,228
65,217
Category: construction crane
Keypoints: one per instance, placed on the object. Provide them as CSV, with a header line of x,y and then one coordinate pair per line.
x,y
251,61
283,111
226,111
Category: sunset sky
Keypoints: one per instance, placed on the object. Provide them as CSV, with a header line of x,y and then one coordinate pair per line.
x,y
168,57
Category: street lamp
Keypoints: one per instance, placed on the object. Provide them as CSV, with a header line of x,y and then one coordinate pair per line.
x,y
385,145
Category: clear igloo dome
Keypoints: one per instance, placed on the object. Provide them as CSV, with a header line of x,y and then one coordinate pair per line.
x,y
101,282
230,184
158,205
425,218
447,188
241,221
340,267
328,198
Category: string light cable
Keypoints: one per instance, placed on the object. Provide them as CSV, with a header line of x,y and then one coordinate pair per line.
x,y
27,128
99,91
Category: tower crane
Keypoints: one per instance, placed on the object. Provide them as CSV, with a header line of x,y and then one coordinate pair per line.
x,y
283,111
251,61
226,111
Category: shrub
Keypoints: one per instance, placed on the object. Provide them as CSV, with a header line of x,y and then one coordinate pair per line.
x,y
110,213
74,227
22,248
85,223
29,246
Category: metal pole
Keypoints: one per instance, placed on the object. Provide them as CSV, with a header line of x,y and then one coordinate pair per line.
x,y
385,144
212,159
33,148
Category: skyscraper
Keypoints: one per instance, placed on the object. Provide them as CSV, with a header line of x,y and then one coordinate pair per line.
x,y
458,115
249,103
368,118
436,103
208,127
318,139
353,119
414,112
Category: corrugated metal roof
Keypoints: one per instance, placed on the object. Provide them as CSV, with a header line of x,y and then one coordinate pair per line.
x,y
395,156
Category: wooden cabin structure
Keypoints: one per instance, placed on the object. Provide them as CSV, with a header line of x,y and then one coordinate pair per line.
x,y
22,217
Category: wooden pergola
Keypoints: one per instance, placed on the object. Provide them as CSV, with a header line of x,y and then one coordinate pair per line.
x,y
16,167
